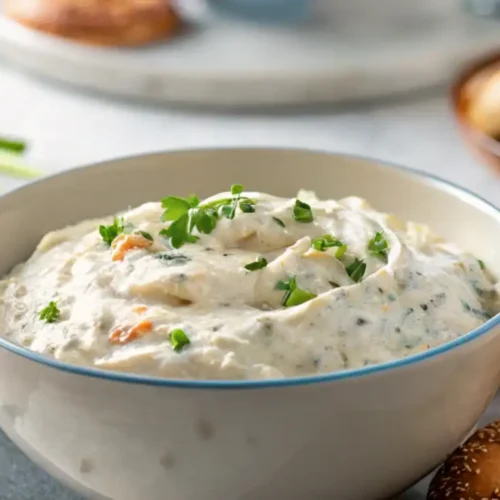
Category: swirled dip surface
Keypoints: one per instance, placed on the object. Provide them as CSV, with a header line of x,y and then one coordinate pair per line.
x,y
196,312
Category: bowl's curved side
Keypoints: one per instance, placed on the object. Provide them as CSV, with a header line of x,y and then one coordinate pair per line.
x,y
367,437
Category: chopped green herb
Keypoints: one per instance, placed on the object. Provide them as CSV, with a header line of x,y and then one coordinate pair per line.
x,y
481,263
13,145
51,313
299,296
341,251
236,189
260,263
187,214
179,232
228,211
247,208
466,305
327,241
145,234
356,270
193,200
302,212
175,259
216,204
294,296
279,221
109,233
286,285
177,207
179,340
378,246
204,220
228,208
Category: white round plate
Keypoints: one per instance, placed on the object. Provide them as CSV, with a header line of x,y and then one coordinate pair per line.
x,y
349,49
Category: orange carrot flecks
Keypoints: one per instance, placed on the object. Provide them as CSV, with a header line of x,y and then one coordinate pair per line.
x,y
126,242
121,336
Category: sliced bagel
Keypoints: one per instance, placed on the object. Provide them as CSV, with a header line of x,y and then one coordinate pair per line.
x,y
98,22
472,472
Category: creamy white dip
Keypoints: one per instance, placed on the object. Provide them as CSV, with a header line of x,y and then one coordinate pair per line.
x,y
115,307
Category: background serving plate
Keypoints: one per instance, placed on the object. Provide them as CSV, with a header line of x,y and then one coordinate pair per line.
x,y
345,51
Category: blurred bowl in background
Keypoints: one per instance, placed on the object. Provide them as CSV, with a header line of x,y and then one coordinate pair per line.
x,y
483,8
268,11
476,105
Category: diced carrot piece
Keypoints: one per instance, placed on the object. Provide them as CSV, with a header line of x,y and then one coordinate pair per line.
x,y
140,309
119,336
116,336
141,328
126,242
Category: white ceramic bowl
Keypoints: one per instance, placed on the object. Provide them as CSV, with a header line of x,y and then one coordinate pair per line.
x,y
358,434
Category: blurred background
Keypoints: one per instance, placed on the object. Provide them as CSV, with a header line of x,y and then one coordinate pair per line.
x,y
414,83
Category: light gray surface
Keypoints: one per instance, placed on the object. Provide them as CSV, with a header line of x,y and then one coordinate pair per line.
x,y
67,129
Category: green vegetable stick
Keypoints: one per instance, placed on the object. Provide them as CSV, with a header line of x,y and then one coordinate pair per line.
x,y
13,165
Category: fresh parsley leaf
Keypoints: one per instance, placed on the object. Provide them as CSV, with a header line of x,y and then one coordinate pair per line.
x,y
279,221
356,270
216,204
302,212
109,233
179,232
260,263
378,246
228,206
187,214
193,200
482,265
228,211
145,234
204,220
13,145
294,295
327,241
51,313
177,207
179,339
247,208
236,189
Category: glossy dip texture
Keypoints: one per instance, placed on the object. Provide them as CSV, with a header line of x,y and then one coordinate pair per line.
x,y
280,289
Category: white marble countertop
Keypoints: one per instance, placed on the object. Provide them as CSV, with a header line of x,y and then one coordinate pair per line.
x,y
66,129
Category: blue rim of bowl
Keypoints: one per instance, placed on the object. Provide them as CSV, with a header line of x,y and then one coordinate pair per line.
x,y
131,378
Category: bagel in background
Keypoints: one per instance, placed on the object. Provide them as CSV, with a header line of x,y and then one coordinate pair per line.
x,y
98,22
472,472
